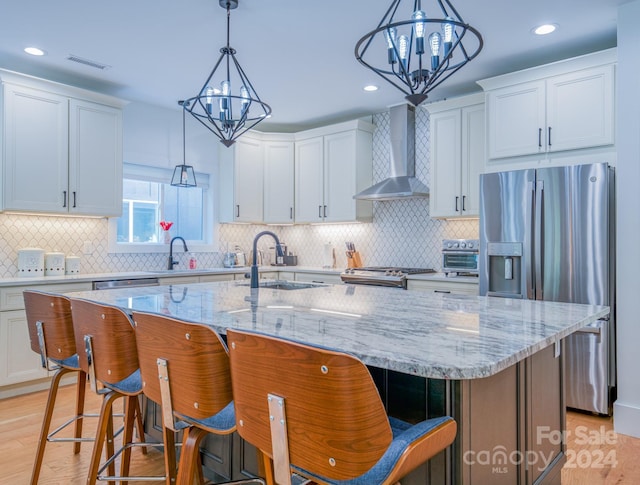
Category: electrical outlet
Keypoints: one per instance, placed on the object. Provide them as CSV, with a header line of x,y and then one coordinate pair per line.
x,y
87,248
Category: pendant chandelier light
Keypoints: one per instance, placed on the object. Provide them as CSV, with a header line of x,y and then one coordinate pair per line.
x,y
183,175
416,50
227,104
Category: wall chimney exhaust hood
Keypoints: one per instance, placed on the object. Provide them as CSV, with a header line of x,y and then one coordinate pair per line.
x,y
401,182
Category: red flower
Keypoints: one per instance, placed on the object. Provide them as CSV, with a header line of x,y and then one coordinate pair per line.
x,y
166,225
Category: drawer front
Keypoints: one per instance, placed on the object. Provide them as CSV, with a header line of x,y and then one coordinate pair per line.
x,y
332,279
443,287
11,297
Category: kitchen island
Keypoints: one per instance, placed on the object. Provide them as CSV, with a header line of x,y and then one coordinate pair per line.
x,y
493,364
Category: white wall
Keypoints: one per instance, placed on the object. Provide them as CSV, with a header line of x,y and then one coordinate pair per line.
x,y
627,407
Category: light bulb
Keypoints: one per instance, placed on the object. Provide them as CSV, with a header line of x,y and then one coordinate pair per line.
x,y
448,28
390,37
209,93
434,44
419,26
403,47
448,31
244,102
225,87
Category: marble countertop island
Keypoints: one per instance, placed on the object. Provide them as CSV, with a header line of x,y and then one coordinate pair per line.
x,y
430,335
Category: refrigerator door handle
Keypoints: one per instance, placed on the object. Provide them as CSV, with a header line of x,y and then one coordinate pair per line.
x,y
528,252
539,237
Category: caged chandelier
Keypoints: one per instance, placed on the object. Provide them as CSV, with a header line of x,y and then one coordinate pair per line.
x,y
420,52
227,104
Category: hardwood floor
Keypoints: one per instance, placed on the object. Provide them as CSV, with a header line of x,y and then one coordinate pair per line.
x,y
596,455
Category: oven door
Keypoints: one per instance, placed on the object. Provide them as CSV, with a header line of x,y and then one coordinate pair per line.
x,y
460,262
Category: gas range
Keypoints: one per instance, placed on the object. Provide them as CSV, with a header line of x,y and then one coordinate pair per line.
x,y
381,275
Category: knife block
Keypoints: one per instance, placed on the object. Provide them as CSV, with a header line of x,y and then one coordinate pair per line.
x,y
354,260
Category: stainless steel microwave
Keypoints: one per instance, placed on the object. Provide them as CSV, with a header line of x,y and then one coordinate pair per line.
x,y
460,256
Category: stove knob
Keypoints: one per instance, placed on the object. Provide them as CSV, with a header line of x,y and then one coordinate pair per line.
x,y
388,272
470,245
449,245
455,245
463,245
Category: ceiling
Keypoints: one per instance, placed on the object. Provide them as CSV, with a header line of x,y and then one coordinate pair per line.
x,y
298,54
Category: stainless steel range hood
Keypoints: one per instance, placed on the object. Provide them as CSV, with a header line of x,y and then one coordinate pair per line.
x,y
401,182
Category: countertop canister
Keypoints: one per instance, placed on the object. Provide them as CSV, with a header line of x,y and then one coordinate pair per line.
x,y
54,264
30,262
72,265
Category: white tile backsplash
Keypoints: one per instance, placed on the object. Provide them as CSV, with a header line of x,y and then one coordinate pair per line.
x,y
402,233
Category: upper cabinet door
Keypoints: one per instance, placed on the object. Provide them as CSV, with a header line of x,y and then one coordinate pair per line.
x,y
95,159
444,199
580,109
516,116
248,180
36,138
473,158
309,177
340,159
278,182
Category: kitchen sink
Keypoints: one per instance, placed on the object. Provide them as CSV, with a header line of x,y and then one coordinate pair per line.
x,y
285,285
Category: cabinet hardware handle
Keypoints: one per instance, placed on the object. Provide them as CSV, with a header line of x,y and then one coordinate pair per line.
x,y
464,198
441,291
290,212
74,198
457,203
315,281
325,211
320,211
237,210
549,140
539,137
64,198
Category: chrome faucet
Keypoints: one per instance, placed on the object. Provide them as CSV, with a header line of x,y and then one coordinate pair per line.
x,y
173,262
254,263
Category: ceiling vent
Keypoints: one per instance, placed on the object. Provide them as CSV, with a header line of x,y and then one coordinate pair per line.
x,y
88,62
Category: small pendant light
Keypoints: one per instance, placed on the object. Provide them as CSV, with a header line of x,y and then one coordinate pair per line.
x,y
183,175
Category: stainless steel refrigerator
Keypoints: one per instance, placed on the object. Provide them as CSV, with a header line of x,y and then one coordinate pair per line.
x,y
547,234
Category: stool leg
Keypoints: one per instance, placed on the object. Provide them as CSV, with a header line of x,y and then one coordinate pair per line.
x,y
131,414
140,425
46,423
169,440
190,455
80,394
104,432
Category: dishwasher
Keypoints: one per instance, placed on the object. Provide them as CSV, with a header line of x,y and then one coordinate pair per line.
x,y
132,283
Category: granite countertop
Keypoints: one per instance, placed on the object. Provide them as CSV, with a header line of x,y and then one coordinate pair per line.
x,y
430,335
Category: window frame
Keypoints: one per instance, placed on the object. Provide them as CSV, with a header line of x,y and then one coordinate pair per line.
x,y
163,175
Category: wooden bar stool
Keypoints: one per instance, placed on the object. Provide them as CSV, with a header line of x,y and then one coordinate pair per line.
x,y
317,412
51,335
105,338
185,368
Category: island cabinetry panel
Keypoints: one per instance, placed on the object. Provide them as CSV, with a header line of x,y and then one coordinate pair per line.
x,y
563,106
241,181
457,156
444,286
329,170
18,363
278,182
61,154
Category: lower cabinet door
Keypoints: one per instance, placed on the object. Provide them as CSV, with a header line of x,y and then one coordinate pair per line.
x,y
18,363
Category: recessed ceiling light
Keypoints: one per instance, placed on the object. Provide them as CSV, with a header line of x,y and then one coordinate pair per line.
x,y
34,51
370,87
545,29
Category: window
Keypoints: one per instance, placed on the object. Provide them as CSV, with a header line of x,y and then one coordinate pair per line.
x,y
147,199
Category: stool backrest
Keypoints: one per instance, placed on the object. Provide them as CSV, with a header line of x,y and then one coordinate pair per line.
x,y
113,340
197,361
335,420
54,313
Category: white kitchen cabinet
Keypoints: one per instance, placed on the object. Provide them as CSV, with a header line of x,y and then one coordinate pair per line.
x,y
62,154
562,106
449,286
18,363
331,166
241,181
327,278
457,156
278,182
